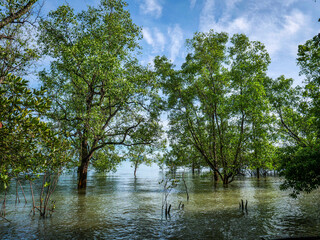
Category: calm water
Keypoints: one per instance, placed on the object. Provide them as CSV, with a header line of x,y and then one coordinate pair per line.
x,y
117,206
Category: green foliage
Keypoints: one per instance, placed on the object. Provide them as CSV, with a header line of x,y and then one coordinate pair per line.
x,y
8,7
217,101
107,159
27,144
17,51
296,123
300,117
138,155
182,154
145,154
301,168
309,62
100,93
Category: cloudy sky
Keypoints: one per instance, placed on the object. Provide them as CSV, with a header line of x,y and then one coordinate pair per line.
x,y
280,24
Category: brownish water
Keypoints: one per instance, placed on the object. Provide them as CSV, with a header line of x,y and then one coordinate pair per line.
x,y
118,206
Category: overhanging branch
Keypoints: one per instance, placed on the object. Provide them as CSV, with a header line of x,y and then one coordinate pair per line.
x,y
12,17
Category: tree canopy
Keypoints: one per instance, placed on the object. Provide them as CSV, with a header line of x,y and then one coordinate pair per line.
x,y
99,104
17,52
217,101
300,163
28,146
101,95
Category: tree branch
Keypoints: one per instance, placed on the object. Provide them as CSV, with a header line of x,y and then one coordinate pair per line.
x,y
13,16
125,134
2,36
291,133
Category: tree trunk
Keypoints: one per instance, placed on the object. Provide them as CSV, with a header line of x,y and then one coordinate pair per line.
x,y
215,172
83,168
135,168
225,180
258,173
193,167
265,173
215,176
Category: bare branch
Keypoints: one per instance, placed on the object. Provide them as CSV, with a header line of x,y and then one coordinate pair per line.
x,y
2,36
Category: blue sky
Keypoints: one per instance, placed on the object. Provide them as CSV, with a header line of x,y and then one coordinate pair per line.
x,y
280,24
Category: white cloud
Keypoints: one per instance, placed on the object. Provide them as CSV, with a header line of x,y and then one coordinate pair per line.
x,y
176,37
287,3
159,43
280,30
192,3
278,24
160,39
293,23
282,36
151,7
147,36
154,38
207,16
238,25
230,4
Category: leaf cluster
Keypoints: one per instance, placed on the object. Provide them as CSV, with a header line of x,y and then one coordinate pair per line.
x,y
27,144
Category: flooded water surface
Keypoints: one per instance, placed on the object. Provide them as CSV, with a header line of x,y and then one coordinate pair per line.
x,y
119,206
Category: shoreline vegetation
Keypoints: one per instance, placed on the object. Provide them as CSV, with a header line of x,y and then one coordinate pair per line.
x,y
98,106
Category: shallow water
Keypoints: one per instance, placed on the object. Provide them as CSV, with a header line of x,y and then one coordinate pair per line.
x,y
118,206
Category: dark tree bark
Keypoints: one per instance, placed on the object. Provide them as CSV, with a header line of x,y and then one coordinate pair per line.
x,y
193,167
14,16
215,176
225,180
83,168
135,168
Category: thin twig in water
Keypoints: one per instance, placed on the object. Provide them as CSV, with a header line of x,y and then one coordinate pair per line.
x,y
185,185
33,203
17,194
25,199
3,209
